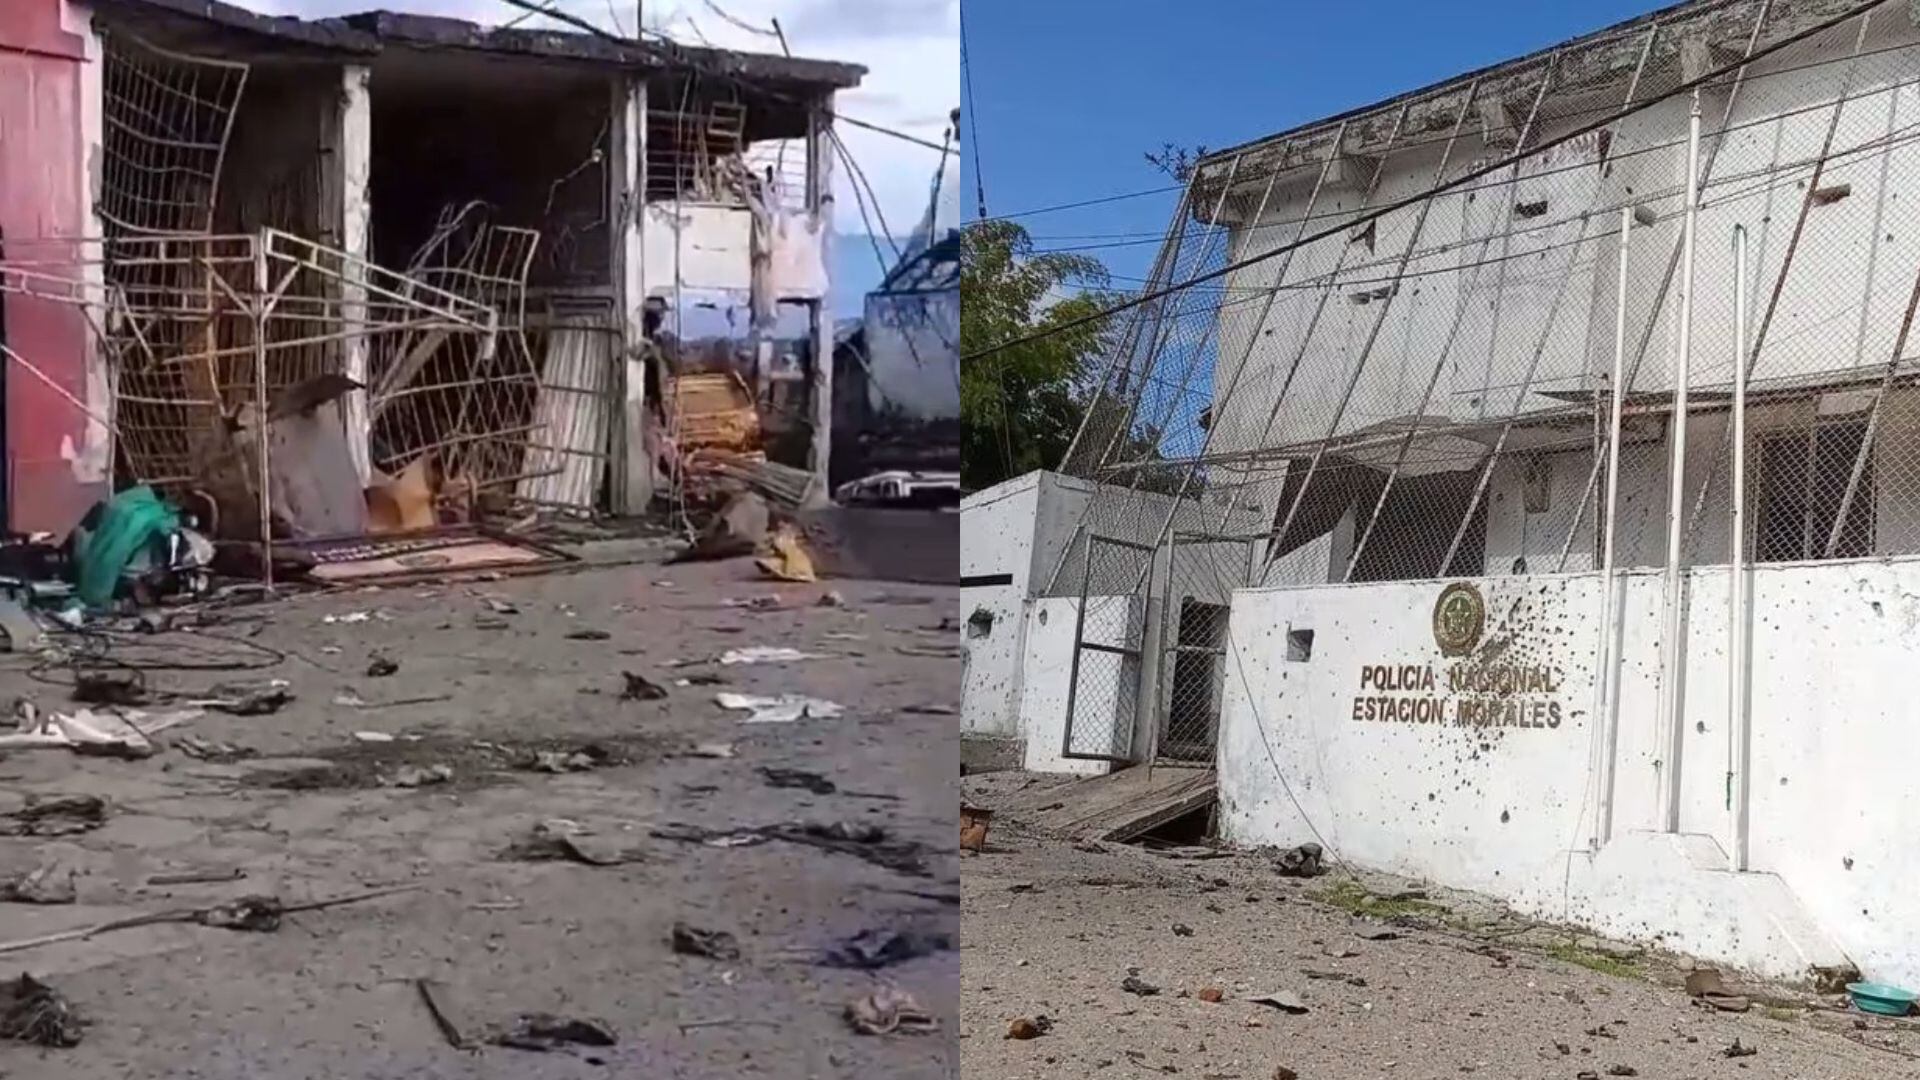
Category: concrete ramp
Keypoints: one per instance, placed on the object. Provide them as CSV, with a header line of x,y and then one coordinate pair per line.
x,y
1118,806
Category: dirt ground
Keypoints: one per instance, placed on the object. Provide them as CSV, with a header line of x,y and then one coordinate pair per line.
x,y
1053,930
309,810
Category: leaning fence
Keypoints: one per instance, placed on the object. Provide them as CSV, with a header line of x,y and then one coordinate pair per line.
x,y
1496,327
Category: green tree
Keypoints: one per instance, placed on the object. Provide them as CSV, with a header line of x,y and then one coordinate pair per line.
x,y
1022,405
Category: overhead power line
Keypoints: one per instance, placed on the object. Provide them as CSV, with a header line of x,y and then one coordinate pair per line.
x,y
673,53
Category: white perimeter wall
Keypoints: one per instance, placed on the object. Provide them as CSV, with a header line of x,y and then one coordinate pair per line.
x,y
1018,528
1499,809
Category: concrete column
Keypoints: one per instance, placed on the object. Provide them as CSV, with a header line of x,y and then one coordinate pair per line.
x,y
95,466
631,459
351,166
820,204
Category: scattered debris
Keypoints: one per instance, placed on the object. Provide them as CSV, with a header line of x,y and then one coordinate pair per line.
x,y
197,877
566,761
103,733
1211,994
754,603
640,688
60,815
372,737
254,914
784,709
1334,976
1281,1072
1285,1000
1622,1070
435,996
33,1012
862,841
347,618
558,838
1023,1028
18,632
832,598
789,560
499,606
1367,930
217,753
889,1010
1302,861
705,678
871,950
382,666
248,699
715,750
413,776
1133,984
1738,1051
96,688
1707,987
260,914
587,633
974,823
798,778
51,883
351,700
737,530
545,1031
931,710
766,654
942,652
1182,930
691,940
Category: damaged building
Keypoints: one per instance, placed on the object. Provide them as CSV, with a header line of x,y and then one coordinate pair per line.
x,y
1513,482
897,371
404,267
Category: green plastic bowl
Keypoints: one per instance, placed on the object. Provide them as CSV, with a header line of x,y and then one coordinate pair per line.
x,y
1880,998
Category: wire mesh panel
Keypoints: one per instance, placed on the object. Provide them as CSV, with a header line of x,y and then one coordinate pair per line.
x,y
1392,343
1104,685
166,120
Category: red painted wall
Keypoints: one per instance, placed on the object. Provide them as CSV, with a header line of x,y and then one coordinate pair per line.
x,y
43,160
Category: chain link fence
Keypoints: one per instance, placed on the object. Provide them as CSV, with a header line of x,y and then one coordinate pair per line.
x,y
1109,634
1463,333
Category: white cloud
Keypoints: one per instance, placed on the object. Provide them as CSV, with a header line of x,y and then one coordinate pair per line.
x,y
909,47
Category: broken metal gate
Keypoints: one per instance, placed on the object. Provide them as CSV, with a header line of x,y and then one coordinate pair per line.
x,y
1202,570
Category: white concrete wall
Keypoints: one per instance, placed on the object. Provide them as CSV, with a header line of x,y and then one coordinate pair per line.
x,y
1838,312
1509,810
1018,528
996,537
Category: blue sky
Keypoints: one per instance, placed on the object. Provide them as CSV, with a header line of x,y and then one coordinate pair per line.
x,y
1068,94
